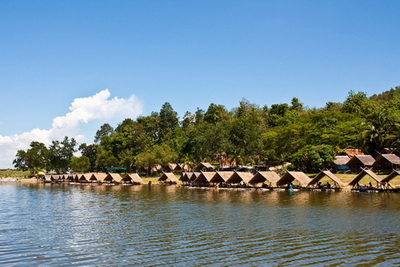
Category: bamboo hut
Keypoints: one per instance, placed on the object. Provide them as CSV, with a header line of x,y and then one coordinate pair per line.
x,y
221,177
204,166
340,163
168,177
288,178
360,162
269,177
363,174
132,178
387,163
84,178
337,183
193,176
185,177
97,177
385,182
204,178
112,178
240,177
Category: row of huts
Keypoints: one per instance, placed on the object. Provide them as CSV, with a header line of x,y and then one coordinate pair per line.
x,y
100,178
270,179
383,163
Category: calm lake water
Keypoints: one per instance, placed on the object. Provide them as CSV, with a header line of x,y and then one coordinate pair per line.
x,y
170,225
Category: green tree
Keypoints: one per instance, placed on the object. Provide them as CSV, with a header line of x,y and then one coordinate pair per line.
x,y
80,164
313,158
168,120
105,130
60,154
90,151
33,159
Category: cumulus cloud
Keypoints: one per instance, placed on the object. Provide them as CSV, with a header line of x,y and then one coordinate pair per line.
x,y
86,110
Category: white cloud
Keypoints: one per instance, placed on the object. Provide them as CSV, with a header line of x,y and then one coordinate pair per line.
x,y
86,110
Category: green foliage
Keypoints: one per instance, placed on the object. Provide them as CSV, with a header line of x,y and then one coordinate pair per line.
x,y
313,158
80,164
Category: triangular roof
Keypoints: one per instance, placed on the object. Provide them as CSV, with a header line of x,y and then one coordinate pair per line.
x,y
85,176
193,176
341,160
113,177
261,177
204,177
133,177
168,176
221,177
97,176
48,177
390,177
362,174
365,160
185,176
204,165
387,158
328,174
289,177
239,177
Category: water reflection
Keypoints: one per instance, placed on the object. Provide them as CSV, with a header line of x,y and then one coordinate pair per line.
x,y
152,225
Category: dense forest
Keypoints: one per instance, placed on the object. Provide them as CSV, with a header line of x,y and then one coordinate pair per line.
x,y
309,138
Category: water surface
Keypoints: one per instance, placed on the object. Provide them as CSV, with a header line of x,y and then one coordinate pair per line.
x,y
67,225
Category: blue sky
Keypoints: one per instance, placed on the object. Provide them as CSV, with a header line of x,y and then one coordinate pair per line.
x,y
188,53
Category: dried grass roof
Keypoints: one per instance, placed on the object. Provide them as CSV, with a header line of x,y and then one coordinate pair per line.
x,y
204,177
239,177
366,160
113,177
98,176
341,160
261,177
134,177
168,176
289,177
328,174
362,174
390,177
387,158
221,177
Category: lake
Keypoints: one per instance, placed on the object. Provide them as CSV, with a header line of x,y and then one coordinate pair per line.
x,y
73,225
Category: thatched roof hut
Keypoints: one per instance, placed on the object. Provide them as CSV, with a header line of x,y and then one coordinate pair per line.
x,y
362,174
133,178
168,176
204,178
265,176
221,177
185,177
390,177
360,161
328,174
193,176
204,166
84,177
112,178
387,162
289,177
239,177
48,178
97,177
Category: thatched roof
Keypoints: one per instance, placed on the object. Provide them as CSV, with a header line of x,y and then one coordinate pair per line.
x,y
113,177
341,160
289,177
85,177
390,177
364,160
204,177
156,168
362,174
204,166
328,174
387,158
221,177
193,176
56,176
261,177
168,176
239,177
47,177
98,176
132,177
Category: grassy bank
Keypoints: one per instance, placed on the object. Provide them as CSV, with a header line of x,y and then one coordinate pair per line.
x,y
6,173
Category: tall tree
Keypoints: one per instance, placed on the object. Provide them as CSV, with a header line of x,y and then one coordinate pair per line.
x,y
105,130
168,120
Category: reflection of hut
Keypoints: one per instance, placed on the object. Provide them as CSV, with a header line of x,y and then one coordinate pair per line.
x,y
132,178
360,161
97,177
240,177
112,178
387,163
337,183
340,163
362,174
204,166
386,181
168,177
204,178
265,177
299,178
221,177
